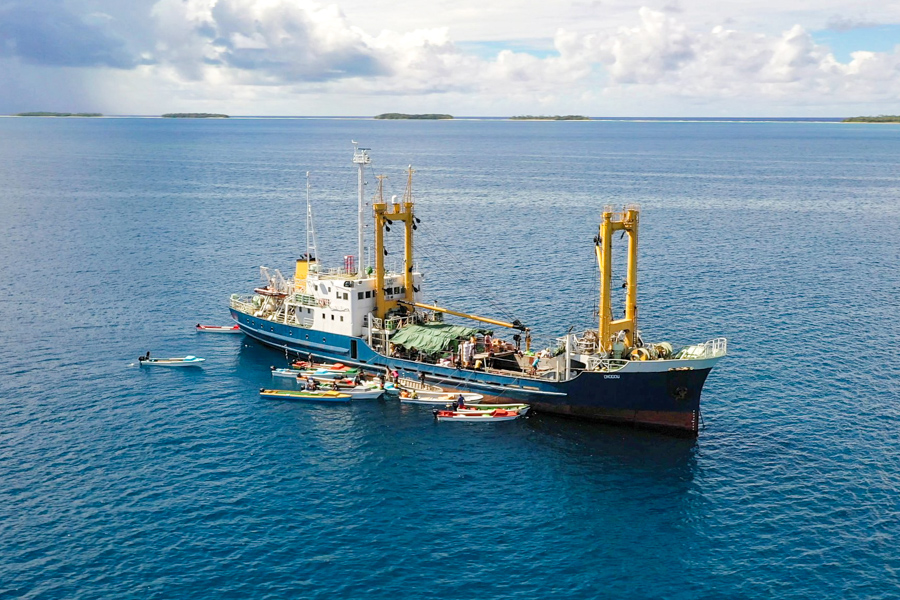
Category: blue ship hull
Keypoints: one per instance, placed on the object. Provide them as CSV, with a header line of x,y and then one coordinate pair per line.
x,y
668,399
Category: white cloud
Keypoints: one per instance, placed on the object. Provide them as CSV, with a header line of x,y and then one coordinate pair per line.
x,y
273,54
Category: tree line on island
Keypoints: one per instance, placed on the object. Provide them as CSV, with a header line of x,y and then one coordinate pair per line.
x,y
878,119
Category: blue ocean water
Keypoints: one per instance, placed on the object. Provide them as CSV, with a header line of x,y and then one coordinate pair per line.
x,y
118,235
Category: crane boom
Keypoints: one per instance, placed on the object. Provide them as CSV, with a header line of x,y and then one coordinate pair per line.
x,y
514,325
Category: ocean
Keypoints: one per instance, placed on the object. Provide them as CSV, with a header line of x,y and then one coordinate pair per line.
x,y
117,236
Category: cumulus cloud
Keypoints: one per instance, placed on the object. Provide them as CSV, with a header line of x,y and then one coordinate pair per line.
x,y
228,48
278,40
661,52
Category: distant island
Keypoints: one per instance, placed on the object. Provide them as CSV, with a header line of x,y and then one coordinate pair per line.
x,y
878,119
194,116
432,117
548,118
56,114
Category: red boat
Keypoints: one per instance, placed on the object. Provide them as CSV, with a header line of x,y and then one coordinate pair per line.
x,y
217,329
489,417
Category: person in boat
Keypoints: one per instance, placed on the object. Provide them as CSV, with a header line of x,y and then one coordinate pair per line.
x,y
415,395
357,379
395,377
460,402
311,385
145,357
381,381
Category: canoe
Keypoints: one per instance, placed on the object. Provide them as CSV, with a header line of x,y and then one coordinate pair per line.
x,y
486,417
442,399
217,329
187,361
316,396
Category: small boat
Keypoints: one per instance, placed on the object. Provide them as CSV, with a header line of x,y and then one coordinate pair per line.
x,y
217,329
487,417
324,367
292,373
316,396
436,399
478,409
268,291
419,386
321,375
187,361
363,392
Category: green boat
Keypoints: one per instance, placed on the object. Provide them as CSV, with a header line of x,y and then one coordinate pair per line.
x,y
313,396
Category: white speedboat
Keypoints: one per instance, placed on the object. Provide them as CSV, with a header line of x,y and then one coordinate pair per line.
x,y
292,373
438,399
363,392
187,361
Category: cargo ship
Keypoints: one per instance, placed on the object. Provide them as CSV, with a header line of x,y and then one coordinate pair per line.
x,y
373,317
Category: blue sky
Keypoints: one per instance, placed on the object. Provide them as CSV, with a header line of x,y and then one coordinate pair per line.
x,y
356,57
873,38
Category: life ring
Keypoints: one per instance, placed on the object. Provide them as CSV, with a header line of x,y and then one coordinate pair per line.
x,y
322,302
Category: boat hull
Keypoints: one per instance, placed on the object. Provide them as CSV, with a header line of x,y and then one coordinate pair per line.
x,y
172,363
215,329
655,394
304,396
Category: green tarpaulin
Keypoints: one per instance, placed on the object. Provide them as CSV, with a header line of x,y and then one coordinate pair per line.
x,y
433,338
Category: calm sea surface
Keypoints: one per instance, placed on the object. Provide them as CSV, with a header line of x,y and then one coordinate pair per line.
x,y
118,235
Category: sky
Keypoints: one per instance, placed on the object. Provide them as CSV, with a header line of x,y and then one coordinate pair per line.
x,y
617,58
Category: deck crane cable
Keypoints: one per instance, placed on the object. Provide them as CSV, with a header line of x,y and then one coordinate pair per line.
x,y
451,260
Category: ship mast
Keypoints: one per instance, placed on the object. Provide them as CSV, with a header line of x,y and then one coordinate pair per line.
x,y
361,159
312,250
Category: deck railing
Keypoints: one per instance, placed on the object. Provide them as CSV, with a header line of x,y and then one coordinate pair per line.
x,y
605,365
716,347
